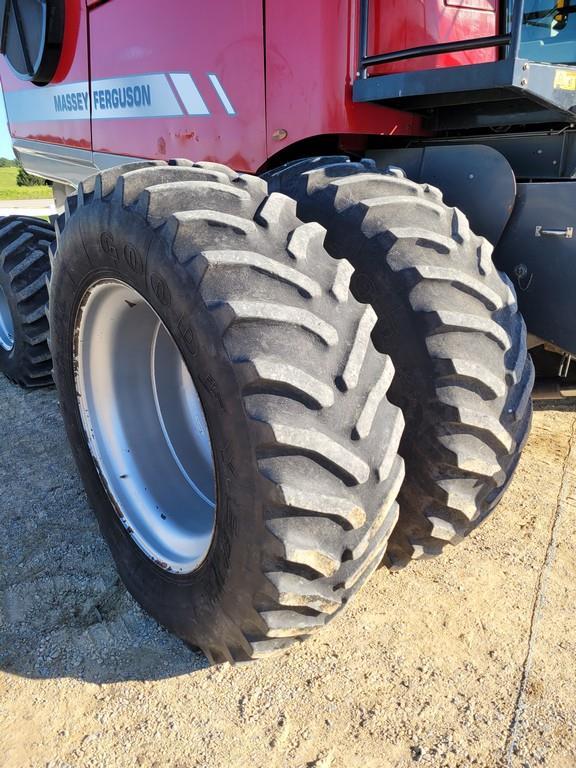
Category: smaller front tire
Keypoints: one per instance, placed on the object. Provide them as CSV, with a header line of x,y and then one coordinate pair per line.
x,y
24,268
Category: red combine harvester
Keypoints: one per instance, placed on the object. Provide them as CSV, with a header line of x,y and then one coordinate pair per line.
x,y
293,353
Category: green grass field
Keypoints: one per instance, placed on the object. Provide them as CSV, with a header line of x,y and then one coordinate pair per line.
x,y
9,190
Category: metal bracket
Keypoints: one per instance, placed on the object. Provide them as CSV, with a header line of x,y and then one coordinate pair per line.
x,y
541,232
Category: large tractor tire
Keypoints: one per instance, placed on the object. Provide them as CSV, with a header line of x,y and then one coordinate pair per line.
x,y
449,321
224,402
24,268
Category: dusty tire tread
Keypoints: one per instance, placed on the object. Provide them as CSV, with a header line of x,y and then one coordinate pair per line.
x,y
324,498
478,408
25,266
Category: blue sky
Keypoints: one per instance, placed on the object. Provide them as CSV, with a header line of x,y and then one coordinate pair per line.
x,y
5,141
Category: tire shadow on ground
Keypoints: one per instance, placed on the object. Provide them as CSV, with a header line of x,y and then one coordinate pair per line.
x,y
63,610
566,404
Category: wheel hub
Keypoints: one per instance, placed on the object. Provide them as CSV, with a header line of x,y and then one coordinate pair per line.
x,y
145,426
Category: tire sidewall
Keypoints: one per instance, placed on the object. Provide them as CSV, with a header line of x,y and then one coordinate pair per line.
x,y
104,240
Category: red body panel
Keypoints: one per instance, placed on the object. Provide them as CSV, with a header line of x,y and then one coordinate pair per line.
x,y
223,37
396,25
312,58
221,87
73,67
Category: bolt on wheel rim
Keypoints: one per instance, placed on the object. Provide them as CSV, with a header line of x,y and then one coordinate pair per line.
x,y
6,323
145,426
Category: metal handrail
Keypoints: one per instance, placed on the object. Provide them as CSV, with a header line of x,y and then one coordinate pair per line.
x,y
510,41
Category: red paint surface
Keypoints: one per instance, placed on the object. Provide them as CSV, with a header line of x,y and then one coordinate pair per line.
x,y
309,63
73,68
397,24
224,37
312,58
74,56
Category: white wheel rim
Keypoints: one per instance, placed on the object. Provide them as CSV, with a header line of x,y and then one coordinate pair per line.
x,y
145,426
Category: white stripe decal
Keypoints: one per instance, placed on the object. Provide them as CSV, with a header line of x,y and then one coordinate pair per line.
x,y
139,96
119,98
193,102
222,94
41,104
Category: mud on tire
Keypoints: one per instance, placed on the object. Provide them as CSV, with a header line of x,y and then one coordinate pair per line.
x,y
450,322
304,439
24,268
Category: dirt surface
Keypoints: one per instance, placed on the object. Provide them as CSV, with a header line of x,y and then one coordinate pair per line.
x,y
467,660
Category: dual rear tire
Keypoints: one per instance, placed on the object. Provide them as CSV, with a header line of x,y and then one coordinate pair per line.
x,y
449,321
228,386
256,537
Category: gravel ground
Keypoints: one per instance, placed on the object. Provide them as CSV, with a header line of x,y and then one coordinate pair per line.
x,y
467,660
27,207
